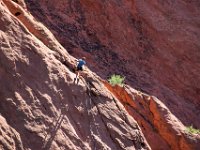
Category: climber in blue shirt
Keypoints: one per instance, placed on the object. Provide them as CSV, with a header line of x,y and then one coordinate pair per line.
x,y
79,67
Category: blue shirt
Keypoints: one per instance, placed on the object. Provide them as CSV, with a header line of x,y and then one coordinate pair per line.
x,y
81,63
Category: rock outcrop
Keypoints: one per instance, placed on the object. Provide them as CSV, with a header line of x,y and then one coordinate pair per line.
x,y
160,127
155,44
41,107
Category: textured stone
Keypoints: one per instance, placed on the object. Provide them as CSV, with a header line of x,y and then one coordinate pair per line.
x,y
9,138
155,44
41,107
160,127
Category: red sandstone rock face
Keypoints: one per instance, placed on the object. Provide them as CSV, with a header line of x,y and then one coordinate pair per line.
x,y
41,107
160,127
155,44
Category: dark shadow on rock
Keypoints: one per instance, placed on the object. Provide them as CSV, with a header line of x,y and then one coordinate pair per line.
x,y
52,134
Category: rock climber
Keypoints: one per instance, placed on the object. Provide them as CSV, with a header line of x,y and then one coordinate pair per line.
x,y
80,63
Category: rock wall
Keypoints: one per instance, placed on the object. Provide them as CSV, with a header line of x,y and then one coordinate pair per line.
x,y
160,127
41,107
9,137
155,44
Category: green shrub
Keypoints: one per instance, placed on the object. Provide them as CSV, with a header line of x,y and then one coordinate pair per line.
x,y
192,130
116,80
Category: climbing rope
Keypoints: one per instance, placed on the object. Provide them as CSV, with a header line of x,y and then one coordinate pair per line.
x,y
88,107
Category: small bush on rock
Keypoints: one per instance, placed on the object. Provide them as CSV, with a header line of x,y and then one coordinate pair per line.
x,y
192,130
116,80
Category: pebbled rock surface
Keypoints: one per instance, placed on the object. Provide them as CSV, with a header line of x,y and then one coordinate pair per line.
x,y
40,105
155,44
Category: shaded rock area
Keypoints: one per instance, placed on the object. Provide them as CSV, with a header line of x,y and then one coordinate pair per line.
x,y
41,107
155,44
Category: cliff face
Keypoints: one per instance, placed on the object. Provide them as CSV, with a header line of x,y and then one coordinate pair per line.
x,y
155,44
42,108
160,127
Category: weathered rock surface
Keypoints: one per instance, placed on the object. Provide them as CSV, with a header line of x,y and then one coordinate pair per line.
x,y
160,127
9,138
155,44
41,107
